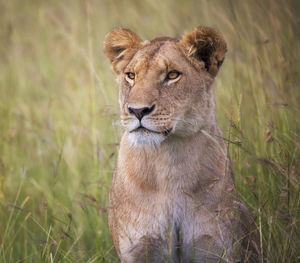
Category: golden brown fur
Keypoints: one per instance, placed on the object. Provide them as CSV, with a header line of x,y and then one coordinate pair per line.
x,y
173,197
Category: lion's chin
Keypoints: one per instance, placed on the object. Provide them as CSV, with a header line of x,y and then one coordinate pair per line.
x,y
142,137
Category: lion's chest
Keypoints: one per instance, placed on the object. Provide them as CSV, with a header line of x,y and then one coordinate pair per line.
x,y
171,219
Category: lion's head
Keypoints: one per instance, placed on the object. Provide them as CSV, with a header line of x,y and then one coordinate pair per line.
x,y
165,83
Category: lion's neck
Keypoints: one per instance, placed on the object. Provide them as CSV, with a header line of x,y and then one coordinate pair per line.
x,y
178,163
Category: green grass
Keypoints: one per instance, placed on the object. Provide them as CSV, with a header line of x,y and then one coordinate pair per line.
x,y
59,118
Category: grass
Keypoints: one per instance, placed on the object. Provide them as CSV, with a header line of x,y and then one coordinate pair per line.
x,y
59,118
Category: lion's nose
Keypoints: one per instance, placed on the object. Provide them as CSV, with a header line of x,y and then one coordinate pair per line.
x,y
141,112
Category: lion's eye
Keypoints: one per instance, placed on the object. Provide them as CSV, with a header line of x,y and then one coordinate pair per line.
x,y
130,75
173,75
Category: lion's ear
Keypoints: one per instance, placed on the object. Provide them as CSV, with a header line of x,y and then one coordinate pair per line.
x,y
205,45
120,45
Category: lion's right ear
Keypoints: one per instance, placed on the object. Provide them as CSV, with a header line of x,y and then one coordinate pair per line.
x,y
120,45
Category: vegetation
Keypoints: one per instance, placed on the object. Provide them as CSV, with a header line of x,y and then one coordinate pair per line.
x,y
59,118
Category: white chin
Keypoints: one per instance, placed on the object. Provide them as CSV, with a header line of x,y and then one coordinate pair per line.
x,y
140,138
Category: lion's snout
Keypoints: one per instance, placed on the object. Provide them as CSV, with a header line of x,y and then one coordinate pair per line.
x,y
140,112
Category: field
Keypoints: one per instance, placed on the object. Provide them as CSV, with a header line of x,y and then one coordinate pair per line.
x,y
60,129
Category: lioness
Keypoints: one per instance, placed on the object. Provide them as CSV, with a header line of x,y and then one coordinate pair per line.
x,y
172,197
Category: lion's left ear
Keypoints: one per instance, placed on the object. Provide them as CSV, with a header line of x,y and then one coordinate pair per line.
x,y
205,45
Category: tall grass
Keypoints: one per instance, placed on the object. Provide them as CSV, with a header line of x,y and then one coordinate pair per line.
x,y
59,118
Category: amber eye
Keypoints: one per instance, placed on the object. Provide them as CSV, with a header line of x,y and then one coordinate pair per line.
x,y
130,75
173,75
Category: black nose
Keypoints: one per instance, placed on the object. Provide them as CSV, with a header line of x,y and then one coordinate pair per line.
x,y
140,112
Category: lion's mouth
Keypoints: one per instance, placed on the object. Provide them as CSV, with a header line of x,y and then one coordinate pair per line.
x,y
145,130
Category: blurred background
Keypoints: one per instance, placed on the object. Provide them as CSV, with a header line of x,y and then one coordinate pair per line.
x,y
60,128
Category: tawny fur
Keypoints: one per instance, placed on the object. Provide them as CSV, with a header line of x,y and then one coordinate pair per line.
x,y
172,197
